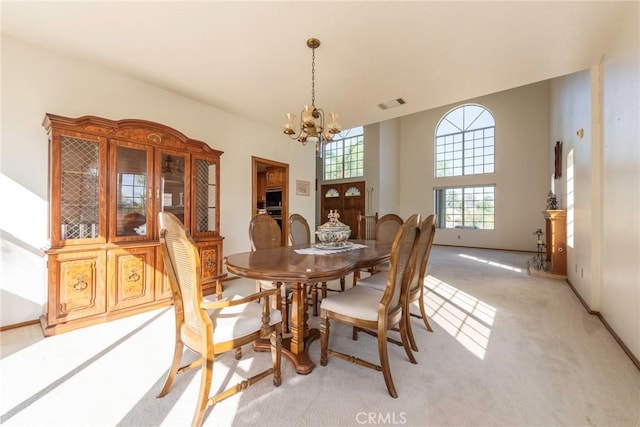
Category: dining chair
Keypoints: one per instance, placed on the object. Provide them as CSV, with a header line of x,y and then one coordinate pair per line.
x,y
265,233
368,308
387,227
209,328
300,234
385,231
415,289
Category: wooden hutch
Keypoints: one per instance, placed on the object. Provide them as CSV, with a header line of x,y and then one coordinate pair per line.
x,y
107,182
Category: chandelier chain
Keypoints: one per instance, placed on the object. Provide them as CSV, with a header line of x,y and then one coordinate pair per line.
x,y
313,77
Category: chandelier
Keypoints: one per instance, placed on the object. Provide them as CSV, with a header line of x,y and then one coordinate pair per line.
x,y
312,121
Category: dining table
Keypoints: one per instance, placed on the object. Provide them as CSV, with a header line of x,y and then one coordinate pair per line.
x,y
297,266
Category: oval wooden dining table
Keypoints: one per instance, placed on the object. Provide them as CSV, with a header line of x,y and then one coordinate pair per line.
x,y
285,265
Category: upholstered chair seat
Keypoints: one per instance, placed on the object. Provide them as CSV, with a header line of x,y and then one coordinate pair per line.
x,y
360,302
239,320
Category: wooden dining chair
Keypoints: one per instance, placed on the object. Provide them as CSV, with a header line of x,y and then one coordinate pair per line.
x,y
387,227
367,308
415,289
299,230
211,328
300,234
385,231
265,233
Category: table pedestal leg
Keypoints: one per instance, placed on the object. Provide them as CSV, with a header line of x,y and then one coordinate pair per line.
x,y
296,347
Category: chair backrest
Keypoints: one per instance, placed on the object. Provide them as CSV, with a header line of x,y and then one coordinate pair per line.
x,y
366,226
387,227
401,251
427,232
264,232
299,232
182,266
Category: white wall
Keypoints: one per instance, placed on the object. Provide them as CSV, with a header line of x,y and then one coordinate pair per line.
x,y
571,111
620,293
36,81
389,171
372,165
605,102
521,177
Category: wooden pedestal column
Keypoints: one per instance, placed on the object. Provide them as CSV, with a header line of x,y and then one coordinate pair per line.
x,y
556,232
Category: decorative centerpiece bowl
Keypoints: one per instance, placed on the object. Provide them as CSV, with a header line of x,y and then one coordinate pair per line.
x,y
333,233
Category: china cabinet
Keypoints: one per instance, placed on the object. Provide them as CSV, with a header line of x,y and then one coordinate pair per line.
x,y
107,182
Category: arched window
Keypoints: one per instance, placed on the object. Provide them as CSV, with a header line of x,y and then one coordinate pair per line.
x,y
352,192
332,192
464,142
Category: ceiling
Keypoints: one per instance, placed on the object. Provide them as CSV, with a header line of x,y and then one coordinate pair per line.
x,y
251,58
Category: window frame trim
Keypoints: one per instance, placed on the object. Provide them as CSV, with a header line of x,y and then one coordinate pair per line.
x,y
462,132
441,216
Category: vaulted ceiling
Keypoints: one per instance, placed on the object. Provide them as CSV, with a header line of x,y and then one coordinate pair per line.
x,y
251,58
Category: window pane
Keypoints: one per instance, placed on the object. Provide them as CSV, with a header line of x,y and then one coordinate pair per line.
x,y
467,207
467,132
344,156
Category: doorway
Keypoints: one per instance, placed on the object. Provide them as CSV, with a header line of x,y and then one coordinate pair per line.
x,y
270,191
347,198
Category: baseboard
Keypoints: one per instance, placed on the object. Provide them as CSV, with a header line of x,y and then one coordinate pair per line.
x,y
19,325
482,247
615,336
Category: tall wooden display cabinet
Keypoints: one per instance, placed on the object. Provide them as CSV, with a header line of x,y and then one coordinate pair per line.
x,y
107,182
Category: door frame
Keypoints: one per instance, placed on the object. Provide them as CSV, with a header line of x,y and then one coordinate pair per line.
x,y
256,164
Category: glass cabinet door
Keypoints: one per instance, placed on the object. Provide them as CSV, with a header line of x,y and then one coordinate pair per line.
x,y
206,197
78,189
172,170
131,197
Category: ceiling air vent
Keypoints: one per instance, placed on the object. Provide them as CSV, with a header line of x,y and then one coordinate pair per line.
x,y
390,104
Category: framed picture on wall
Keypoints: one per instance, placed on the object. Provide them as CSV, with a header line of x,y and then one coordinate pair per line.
x,y
303,188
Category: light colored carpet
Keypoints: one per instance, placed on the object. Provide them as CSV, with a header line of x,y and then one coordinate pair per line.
x,y
507,349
